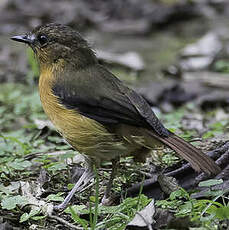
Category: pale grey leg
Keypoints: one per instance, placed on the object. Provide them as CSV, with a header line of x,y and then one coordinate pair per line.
x,y
80,184
107,194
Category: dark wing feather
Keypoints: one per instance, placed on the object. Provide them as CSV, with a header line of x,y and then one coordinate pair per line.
x,y
96,93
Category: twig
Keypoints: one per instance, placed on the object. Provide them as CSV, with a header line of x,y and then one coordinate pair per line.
x,y
71,226
195,139
54,153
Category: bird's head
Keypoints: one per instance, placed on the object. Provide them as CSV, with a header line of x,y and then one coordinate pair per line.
x,y
54,42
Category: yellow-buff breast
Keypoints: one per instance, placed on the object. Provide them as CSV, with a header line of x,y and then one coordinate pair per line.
x,y
84,134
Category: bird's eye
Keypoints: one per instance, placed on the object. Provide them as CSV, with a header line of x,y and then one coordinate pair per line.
x,y
42,39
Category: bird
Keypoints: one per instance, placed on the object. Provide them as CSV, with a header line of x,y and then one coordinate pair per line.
x,y
94,111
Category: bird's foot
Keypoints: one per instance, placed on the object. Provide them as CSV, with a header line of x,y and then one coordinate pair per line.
x,y
107,200
81,183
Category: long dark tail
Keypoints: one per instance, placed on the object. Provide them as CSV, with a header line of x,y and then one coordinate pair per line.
x,y
198,160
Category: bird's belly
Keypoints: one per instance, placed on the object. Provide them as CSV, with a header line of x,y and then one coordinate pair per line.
x,y
84,134
87,135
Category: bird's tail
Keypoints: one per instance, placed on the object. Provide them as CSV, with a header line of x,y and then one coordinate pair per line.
x,y
198,160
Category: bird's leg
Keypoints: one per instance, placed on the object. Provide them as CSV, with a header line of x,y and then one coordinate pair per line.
x,y
105,200
80,184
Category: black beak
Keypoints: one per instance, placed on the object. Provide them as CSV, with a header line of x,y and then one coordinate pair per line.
x,y
27,39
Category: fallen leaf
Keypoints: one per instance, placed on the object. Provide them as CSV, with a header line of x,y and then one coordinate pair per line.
x,y
144,218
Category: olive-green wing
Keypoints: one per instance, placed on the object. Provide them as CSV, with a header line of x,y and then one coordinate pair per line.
x,y
96,93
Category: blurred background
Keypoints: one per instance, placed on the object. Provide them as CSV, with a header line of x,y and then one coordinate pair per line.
x,y
173,43
175,53
172,51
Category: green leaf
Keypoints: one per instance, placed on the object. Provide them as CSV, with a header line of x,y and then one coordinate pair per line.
x,y
214,193
110,209
209,183
222,213
69,154
24,217
92,199
185,209
55,197
221,66
208,134
180,193
56,166
70,186
38,217
19,164
77,219
207,218
10,203
4,189
82,209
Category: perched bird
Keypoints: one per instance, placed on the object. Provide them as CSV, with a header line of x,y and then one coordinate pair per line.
x,y
93,110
